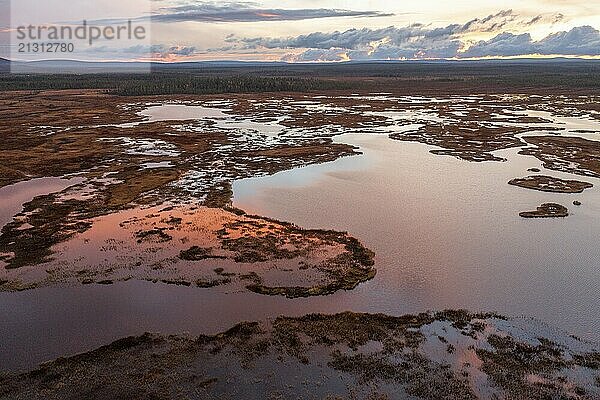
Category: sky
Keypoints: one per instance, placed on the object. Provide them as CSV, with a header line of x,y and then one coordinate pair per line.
x,y
311,30
336,30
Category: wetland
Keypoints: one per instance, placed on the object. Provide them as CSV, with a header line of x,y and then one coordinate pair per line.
x,y
314,238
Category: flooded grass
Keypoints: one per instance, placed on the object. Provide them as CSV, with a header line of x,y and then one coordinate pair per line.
x,y
365,354
153,202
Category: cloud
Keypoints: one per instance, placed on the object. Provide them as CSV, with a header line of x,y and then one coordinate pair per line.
x,y
393,36
582,40
162,51
558,18
419,41
579,41
248,12
318,55
505,44
155,51
492,22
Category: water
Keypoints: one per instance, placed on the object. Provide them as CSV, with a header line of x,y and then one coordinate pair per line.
x,y
183,112
180,112
446,232
14,196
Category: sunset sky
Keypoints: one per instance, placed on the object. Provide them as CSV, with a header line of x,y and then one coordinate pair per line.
x,y
335,30
310,30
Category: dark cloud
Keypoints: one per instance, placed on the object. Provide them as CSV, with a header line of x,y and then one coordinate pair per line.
x,y
491,23
248,12
558,18
534,20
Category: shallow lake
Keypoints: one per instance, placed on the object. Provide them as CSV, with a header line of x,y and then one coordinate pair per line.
x,y
446,233
14,196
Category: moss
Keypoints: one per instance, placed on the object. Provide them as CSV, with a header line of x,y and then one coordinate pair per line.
x,y
421,377
347,280
156,234
254,249
465,139
243,330
547,210
54,221
511,361
550,184
221,272
354,329
234,210
196,253
360,253
175,221
7,384
468,323
78,146
50,224
176,282
369,367
130,342
331,347
219,197
202,283
250,276
207,383
565,153
136,183
590,360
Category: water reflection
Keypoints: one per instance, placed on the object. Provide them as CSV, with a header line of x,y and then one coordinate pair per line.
x,y
446,233
14,196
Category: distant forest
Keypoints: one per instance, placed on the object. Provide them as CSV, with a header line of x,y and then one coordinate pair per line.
x,y
209,78
167,83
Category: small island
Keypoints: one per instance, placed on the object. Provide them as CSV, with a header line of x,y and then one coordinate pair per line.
x,y
550,184
547,210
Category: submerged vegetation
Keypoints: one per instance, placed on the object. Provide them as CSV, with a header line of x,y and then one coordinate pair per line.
x,y
452,354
